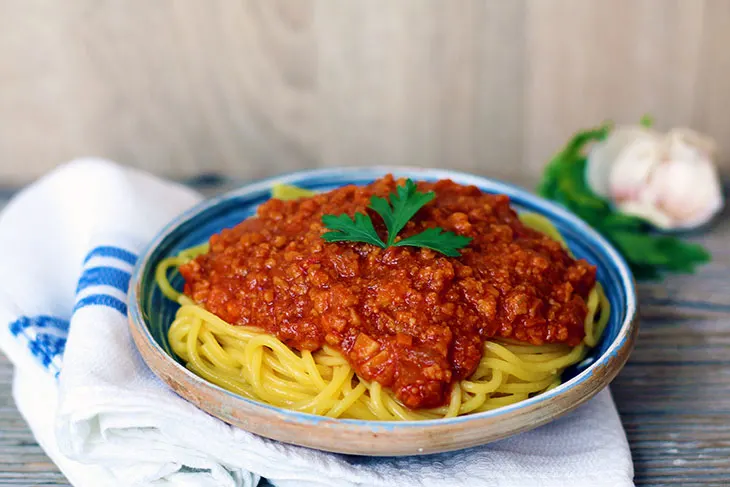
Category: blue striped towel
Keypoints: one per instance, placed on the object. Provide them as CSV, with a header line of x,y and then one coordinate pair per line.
x,y
67,247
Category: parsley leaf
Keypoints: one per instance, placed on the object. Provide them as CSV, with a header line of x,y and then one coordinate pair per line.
x,y
348,230
403,205
648,253
405,202
448,243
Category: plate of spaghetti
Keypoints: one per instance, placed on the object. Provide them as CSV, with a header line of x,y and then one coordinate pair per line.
x,y
383,311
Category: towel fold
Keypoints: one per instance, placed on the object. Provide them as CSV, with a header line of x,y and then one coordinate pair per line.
x,y
67,247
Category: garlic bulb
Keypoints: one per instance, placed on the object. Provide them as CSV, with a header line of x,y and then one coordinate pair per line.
x,y
668,179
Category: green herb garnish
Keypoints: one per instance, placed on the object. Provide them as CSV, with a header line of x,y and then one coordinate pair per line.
x,y
396,213
345,229
647,252
448,243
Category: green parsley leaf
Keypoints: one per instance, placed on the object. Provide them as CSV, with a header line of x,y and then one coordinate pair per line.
x,y
345,229
619,221
448,243
396,213
404,204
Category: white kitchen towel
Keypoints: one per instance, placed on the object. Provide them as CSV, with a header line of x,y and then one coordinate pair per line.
x,y
67,246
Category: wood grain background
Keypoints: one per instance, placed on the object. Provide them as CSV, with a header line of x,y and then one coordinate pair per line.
x,y
257,87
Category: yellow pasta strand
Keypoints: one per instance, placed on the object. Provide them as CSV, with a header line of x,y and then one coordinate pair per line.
x,y
256,365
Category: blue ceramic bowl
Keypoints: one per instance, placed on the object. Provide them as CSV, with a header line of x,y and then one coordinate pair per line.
x,y
151,315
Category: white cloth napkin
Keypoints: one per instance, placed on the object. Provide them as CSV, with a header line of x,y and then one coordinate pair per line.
x,y
67,246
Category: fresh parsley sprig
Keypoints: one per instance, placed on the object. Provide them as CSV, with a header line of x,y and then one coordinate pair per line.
x,y
345,229
396,213
447,243
404,204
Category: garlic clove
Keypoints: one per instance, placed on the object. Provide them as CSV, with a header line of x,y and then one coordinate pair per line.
x,y
647,211
602,157
632,169
687,191
684,142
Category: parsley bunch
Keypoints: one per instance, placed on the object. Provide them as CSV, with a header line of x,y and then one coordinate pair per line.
x,y
403,205
648,253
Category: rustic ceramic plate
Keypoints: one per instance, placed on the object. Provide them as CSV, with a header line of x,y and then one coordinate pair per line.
x,y
151,314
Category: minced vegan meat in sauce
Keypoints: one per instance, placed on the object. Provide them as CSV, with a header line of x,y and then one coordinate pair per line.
x,y
410,318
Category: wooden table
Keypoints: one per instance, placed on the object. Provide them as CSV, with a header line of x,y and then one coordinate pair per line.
x,y
673,395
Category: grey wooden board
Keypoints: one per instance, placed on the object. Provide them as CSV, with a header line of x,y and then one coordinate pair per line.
x,y
673,395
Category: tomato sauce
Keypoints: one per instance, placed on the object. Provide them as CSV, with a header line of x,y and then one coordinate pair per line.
x,y
410,318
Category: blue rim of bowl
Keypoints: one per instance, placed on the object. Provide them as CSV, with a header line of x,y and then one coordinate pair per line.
x,y
548,209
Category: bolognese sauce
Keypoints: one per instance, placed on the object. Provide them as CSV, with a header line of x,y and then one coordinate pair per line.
x,y
409,318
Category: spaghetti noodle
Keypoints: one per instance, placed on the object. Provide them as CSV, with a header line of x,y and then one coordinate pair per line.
x,y
257,365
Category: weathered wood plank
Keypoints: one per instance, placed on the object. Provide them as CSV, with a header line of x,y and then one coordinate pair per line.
x,y
22,461
674,394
